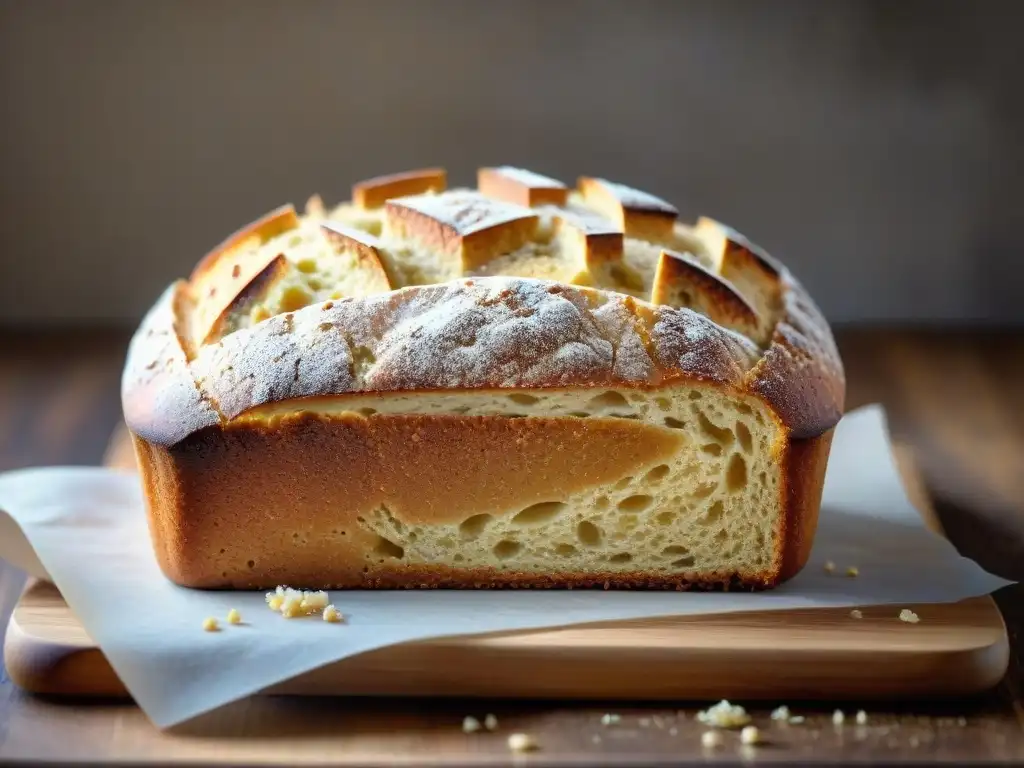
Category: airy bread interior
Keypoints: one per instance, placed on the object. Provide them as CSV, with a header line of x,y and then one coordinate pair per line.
x,y
712,507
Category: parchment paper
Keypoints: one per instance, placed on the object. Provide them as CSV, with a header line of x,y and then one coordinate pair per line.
x,y
85,529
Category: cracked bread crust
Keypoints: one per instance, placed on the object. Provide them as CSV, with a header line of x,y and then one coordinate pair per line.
x,y
480,333
191,405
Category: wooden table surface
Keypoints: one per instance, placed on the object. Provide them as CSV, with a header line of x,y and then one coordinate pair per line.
x,y
956,397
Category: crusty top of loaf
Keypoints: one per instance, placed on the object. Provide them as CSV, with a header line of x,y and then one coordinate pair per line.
x,y
322,304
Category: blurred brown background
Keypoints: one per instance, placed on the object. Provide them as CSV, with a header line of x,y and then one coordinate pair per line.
x,y
874,146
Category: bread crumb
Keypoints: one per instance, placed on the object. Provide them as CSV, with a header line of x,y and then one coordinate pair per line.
x,y
610,719
522,742
852,571
862,718
332,615
314,602
909,616
210,624
796,719
856,614
724,715
780,713
830,567
838,718
491,722
711,739
750,735
961,721
470,725
292,603
234,617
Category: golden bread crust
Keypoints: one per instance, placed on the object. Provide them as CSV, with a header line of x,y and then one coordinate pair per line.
x,y
469,228
639,214
373,193
216,479
683,282
515,185
365,248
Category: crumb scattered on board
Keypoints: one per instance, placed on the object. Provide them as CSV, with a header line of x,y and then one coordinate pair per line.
x,y
856,614
724,715
210,624
909,616
750,735
332,615
293,603
711,739
522,742
234,617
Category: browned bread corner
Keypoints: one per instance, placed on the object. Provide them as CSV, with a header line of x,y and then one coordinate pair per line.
x,y
517,385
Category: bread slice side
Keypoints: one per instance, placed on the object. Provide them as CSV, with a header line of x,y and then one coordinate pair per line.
x,y
677,488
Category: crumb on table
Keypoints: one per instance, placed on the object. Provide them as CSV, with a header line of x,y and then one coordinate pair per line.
x,y
711,739
724,715
332,615
522,742
750,735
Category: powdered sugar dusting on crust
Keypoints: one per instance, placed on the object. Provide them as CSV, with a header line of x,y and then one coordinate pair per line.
x,y
463,211
499,331
496,331
688,344
801,374
288,356
620,324
637,200
159,396
479,333
585,219
529,178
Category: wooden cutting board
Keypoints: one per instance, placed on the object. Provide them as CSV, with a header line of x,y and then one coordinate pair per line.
x,y
956,649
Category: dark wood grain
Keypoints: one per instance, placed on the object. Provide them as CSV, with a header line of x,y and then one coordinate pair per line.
x,y
956,397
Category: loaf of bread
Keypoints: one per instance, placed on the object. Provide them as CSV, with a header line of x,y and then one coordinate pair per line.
x,y
518,385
